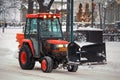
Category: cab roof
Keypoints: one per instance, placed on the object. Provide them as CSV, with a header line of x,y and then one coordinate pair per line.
x,y
43,15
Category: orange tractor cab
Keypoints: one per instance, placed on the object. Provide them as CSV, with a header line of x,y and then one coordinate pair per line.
x,y
43,41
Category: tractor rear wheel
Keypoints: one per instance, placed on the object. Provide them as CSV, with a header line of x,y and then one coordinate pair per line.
x,y
72,68
47,64
26,60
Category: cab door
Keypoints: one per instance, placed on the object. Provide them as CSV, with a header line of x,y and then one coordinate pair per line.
x,y
31,33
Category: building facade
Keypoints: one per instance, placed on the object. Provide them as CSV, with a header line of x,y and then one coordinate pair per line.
x,y
110,9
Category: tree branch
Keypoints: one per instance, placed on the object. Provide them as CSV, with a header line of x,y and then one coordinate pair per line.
x,y
43,8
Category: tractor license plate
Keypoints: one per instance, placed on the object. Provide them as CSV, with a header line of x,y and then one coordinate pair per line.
x,y
62,49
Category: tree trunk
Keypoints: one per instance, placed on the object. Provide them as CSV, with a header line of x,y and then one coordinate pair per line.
x,y
42,7
30,6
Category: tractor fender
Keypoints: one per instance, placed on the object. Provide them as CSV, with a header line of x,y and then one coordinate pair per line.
x,y
29,42
19,38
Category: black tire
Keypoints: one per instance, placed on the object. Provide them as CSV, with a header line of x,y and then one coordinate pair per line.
x,y
47,64
72,68
26,60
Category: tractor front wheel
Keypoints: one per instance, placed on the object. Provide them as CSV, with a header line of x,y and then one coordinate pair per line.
x,y
26,60
47,64
72,68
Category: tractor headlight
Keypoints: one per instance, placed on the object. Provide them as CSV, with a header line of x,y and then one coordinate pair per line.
x,y
61,47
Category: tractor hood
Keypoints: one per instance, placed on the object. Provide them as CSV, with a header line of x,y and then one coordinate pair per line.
x,y
57,42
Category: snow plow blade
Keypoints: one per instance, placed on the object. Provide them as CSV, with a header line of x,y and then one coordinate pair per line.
x,y
86,52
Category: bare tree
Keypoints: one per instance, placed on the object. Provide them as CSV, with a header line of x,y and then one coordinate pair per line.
x,y
30,6
1,2
43,7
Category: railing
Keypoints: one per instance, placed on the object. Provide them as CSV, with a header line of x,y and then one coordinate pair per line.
x,y
106,37
111,37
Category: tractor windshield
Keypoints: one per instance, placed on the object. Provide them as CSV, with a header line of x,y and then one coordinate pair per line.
x,y
50,28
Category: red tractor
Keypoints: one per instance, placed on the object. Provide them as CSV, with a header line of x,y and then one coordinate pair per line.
x,y
43,41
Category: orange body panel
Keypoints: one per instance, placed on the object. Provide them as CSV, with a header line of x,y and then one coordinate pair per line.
x,y
43,15
20,37
57,42
21,40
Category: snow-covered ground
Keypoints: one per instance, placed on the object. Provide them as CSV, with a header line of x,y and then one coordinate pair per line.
x,y
113,62
8,41
9,50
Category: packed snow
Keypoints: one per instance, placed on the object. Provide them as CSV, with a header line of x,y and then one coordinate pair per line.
x,y
8,43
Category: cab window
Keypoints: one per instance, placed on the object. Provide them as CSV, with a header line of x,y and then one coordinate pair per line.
x,y
27,26
33,26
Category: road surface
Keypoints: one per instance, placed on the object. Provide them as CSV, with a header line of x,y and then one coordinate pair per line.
x,y
10,69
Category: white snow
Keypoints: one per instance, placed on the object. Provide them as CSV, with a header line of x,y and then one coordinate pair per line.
x,y
88,29
113,61
83,43
8,40
8,43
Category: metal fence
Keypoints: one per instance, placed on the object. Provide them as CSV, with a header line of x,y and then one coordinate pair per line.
x,y
111,37
106,37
